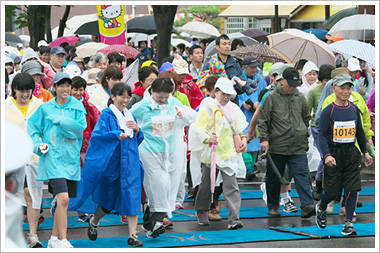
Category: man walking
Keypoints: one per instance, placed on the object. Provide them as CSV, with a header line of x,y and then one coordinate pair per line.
x,y
283,122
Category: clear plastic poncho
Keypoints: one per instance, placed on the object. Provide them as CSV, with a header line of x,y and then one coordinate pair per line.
x,y
227,159
161,150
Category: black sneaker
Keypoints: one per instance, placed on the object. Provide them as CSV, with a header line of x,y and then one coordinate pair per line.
x,y
320,217
289,207
134,241
359,204
92,230
274,212
156,231
348,228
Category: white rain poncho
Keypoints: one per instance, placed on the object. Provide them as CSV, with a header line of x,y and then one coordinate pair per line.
x,y
161,150
14,237
30,170
305,87
227,159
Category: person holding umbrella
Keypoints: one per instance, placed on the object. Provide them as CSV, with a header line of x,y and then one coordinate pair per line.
x,y
228,132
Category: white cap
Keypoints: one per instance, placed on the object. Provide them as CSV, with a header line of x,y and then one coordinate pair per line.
x,y
18,147
275,68
19,45
353,64
72,70
42,43
226,86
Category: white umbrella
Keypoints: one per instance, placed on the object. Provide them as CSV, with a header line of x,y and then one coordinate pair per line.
x,y
293,45
10,49
211,48
140,37
200,29
89,48
356,27
175,42
354,48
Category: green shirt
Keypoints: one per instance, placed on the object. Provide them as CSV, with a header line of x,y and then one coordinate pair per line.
x,y
182,98
313,100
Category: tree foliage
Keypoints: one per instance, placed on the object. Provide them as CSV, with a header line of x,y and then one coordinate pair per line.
x,y
206,13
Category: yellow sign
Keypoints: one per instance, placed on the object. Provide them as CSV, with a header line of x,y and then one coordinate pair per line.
x,y
344,131
111,20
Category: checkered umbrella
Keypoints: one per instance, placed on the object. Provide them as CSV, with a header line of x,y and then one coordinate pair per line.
x,y
354,48
128,51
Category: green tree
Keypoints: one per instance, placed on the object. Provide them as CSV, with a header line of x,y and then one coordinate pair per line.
x,y
208,13
38,20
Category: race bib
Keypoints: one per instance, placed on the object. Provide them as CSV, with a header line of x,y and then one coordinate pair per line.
x,y
163,126
344,131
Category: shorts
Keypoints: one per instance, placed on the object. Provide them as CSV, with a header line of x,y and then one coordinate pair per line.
x,y
59,185
345,174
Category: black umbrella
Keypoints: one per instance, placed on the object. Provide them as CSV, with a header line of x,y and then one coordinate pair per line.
x,y
84,40
10,37
144,25
332,20
257,34
90,28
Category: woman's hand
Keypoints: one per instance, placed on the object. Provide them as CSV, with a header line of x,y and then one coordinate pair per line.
x,y
243,145
132,125
179,113
123,136
213,138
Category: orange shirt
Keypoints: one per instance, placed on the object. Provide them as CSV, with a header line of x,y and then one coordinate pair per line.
x,y
45,95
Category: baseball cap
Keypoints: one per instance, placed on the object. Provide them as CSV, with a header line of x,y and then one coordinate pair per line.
x,y
339,71
72,70
292,76
17,60
19,45
353,64
275,68
60,76
57,50
340,80
8,60
42,43
180,66
281,70
18,147
32,68
91,75
225,85
250,61
78,59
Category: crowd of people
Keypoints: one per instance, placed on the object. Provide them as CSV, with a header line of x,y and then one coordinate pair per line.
x,y
111,146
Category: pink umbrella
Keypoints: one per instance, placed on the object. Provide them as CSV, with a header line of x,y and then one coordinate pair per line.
x,y
213,146
128,51
58,41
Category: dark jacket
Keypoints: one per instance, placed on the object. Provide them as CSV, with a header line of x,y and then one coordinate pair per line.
x,y
283,121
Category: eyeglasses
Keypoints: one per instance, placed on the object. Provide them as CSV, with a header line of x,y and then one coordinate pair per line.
x,y
59,55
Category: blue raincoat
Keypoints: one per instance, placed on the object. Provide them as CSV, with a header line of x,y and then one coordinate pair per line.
x,y
61,127
253,145
112,174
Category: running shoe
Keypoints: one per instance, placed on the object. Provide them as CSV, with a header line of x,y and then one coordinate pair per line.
x,y
92,230
202,218
179,206
54,243
84,217
134,241
235,224
320,217
348,228
65,244
33,241
167,223
124,219
289,207
156,231
213,215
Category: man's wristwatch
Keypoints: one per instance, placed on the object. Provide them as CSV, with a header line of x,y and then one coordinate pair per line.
x,y
366,153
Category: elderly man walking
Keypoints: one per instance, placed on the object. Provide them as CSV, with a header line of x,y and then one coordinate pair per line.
x,y
283,131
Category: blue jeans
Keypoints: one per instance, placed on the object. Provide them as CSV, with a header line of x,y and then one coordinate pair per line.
x,y
314,132
298,166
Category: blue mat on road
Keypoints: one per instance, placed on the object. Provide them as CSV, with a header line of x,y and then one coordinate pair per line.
x,y
46,202
187,215
219,237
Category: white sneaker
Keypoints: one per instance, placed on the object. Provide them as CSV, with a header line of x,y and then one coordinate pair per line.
x,y
65,244
33,241
54,243
330,207
263,189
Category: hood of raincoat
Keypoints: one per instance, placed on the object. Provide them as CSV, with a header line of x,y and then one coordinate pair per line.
x,y
305,87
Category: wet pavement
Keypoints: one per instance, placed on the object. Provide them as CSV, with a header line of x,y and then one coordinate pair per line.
x,y
368,180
